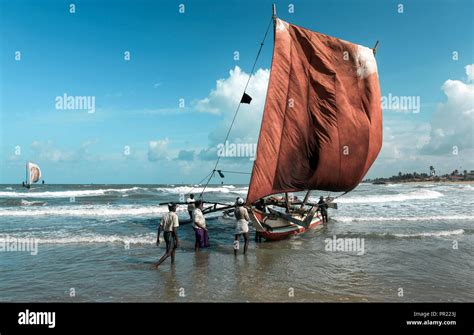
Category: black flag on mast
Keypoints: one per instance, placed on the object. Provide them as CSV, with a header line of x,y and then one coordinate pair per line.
x,y
246,99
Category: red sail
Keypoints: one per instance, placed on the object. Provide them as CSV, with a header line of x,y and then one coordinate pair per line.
x,y
322,124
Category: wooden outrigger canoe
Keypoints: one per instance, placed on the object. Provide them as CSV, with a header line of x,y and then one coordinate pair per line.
x,y
275,225
321,127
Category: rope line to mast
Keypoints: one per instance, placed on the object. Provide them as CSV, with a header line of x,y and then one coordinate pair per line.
x,y
235,172
200,182
238,106
340,195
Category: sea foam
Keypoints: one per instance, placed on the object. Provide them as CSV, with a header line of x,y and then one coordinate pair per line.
x,y
88,211
67,194
402,218
433,234
413,195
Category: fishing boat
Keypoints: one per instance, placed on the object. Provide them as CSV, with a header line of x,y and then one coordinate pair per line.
x,y
321,128
33,174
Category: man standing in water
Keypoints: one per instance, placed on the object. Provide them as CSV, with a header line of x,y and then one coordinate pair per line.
x,y
242,226
169,225
199,226
191,206
323,207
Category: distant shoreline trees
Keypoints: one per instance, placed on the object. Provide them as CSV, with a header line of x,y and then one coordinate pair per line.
x,y
431,176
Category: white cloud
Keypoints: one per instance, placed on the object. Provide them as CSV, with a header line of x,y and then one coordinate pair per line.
x,y
409,144
413,145
185,155
208,154
403,150
470,72
224,99
158,150
403,139
46,151
452,122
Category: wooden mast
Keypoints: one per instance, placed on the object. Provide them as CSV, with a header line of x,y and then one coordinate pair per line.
x,y
306,197
287,202
274,15
374,49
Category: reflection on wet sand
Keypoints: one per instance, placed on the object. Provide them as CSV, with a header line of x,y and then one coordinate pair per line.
x,y
200,280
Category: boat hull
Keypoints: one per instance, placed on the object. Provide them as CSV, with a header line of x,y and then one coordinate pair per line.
x,y
275,228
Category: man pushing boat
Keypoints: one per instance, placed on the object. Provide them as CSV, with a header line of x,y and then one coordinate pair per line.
x,y
169,225
199,226
242,225
323,207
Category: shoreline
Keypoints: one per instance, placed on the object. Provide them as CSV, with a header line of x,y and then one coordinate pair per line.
x,y
470,182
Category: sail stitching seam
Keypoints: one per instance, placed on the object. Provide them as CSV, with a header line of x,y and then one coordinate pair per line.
x,y
286,109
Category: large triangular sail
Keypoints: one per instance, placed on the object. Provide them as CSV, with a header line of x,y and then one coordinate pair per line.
x,y
322,122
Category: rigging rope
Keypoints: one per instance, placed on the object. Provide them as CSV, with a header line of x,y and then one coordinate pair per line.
x,y
235,172
340,195
238,107
191,191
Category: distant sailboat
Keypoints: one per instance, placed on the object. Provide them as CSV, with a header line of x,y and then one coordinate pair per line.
x,y
33,174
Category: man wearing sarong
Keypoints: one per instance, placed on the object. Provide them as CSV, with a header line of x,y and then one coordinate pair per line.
x,y
199,226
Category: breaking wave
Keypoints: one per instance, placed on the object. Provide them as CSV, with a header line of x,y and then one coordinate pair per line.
x,y
197,189
89,211
433,234
410,218
69,194
123,192
32,203
149,239
414,195
442,233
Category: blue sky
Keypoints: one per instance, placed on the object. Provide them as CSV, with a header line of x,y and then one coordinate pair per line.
x,y
181,56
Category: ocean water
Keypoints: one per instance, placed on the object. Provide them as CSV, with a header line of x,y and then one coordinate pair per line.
x,y
96,243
